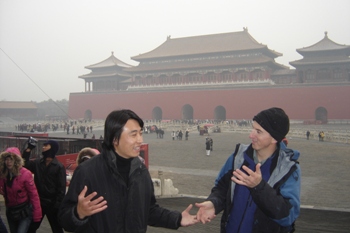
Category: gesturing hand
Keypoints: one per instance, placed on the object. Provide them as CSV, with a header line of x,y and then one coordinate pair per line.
x,y
206,211
248,178
86,207
187,218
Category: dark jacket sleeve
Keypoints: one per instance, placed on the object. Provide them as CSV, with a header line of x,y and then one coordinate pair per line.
x,y
67,211
161,217
27,163
283,204
219,192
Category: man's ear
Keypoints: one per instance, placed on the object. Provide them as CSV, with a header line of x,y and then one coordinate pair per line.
x,y
273,141
115,142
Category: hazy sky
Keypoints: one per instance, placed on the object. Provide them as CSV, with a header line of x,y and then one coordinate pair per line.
x,y
45,44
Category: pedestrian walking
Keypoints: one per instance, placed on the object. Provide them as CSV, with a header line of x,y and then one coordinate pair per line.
x,y
207,146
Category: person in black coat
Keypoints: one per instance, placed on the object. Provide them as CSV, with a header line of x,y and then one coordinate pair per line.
x,y
113,192
50,180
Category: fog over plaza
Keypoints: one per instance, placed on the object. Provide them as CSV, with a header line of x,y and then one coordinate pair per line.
x,y
45,45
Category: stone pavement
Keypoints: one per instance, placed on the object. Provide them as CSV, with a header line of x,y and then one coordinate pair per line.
x,y
325,177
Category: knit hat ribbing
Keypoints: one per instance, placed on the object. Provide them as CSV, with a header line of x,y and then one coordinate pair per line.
x,y
275,121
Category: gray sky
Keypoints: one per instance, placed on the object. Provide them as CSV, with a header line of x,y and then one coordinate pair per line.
x,y
46,44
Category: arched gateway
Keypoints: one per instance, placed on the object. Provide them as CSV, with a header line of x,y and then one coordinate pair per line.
x,y
88,115
187,112
220,113
157,113
321,114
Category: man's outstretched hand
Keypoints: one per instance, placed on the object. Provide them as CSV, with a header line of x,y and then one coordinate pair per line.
x,y
87,207
206,211
187,218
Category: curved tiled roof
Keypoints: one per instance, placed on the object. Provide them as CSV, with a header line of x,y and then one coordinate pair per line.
x,y
103,75
109,62
320,60
238,61
224,42
325,44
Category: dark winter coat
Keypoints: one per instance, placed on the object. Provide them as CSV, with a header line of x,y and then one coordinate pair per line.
x,y
130,208
50,180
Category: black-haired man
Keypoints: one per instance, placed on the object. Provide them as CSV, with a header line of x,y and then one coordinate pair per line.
x,y
127,203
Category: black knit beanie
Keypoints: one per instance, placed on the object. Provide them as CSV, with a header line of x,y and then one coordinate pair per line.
x,y
275,121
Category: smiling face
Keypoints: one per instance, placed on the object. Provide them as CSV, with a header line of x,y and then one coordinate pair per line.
x,y
262,141
130,140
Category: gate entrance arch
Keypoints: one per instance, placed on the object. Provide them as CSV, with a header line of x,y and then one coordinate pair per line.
x,y
220,113
321,114
187,112
157,113
88,115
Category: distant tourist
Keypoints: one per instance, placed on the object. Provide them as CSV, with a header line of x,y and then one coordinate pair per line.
x,y
307,135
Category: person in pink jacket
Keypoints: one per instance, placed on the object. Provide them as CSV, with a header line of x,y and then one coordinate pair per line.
x,y
19,190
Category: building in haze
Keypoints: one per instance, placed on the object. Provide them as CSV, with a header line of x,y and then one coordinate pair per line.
x,y
220,76
18,110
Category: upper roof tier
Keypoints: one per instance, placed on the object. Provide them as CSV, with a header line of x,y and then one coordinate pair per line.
x,y
325,44
109,62
205,44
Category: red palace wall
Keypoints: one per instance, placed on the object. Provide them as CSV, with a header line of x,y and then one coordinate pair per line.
x,y
300,102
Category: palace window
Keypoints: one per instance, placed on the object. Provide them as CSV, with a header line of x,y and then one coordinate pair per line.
x,y
323,74
243,76
226,77
257,75
338,74
310,75
211,78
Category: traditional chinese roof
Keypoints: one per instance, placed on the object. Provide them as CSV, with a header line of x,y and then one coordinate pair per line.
x,y
324,52
207,44
17,105
112,61
321,61
104,75
111,67
325,44
209,63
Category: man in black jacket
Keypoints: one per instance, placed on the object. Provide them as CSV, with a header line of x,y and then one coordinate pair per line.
x,y
113,191
50,180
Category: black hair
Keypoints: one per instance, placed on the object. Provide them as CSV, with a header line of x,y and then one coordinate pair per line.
x,y
114,125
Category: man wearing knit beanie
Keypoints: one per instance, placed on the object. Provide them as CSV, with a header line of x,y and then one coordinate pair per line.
x,y
264,174
275,121
50,179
